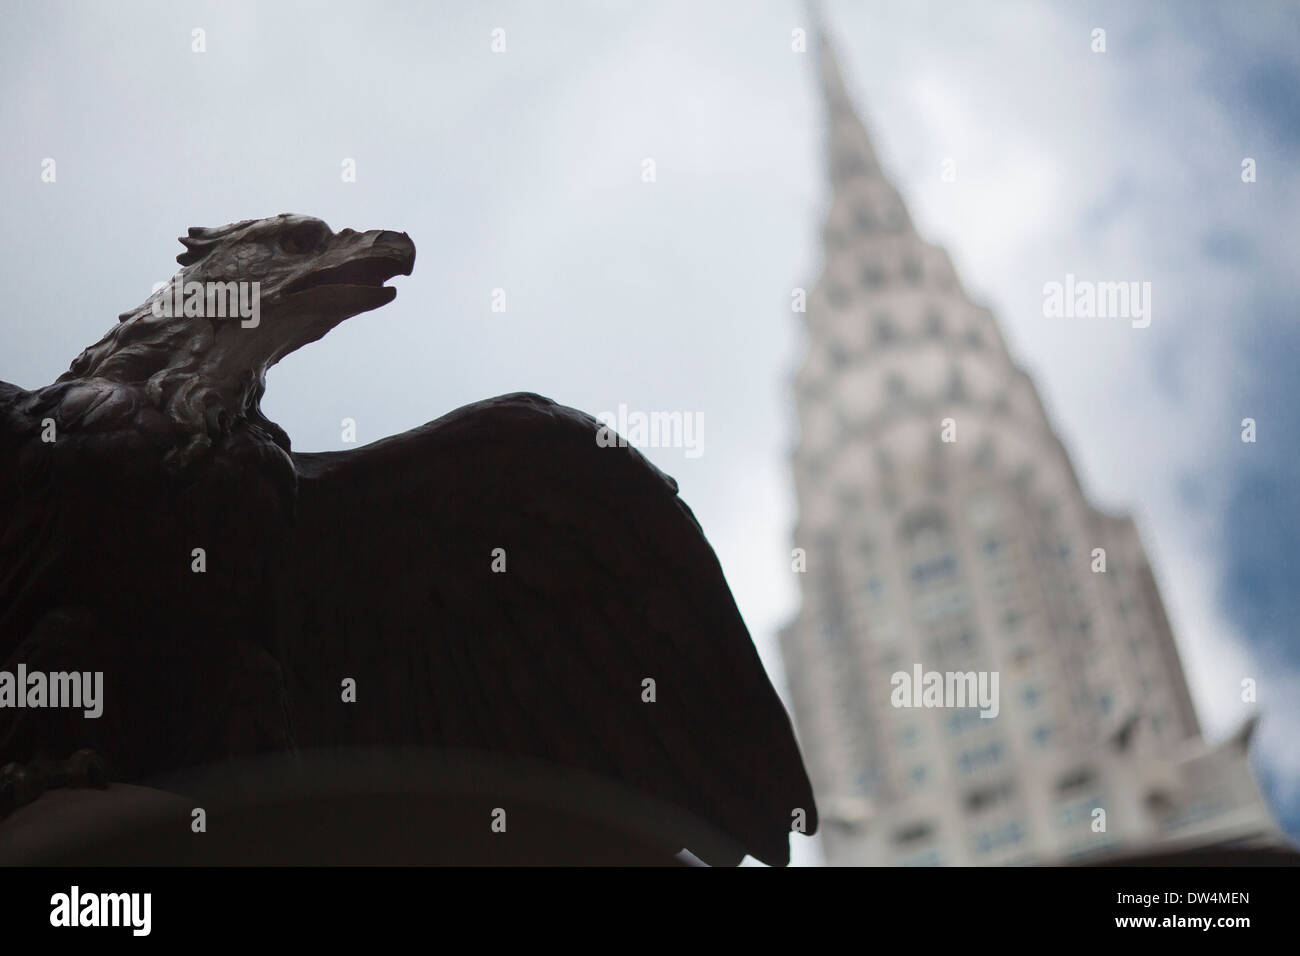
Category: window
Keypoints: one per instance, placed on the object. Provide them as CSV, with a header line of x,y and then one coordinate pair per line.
x,y
1042,735
933,323
885,331
1194,811
1075,779
995,838
837,295
912,269
963,719
918,776
1030,695
925,528
1079,811
986,797
956,387
935,569
1095,844
872,277
912,833
979,757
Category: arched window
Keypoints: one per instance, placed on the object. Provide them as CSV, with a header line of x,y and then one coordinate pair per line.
x,y
933,323
885,331
873,277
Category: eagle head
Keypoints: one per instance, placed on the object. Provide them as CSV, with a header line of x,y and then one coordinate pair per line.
x,y
248,294
295,279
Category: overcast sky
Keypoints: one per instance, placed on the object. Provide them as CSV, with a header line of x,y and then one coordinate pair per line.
x,y
522,170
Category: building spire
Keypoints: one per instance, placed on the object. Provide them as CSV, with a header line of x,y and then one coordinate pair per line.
x,y
849,147
833,90
976,550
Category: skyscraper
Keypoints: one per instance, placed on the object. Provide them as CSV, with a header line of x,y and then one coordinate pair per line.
x,y
942,530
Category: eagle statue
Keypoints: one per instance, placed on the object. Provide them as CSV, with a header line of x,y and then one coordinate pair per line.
x,y
498,581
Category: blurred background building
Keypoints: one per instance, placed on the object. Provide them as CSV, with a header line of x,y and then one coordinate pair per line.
x,y
978,553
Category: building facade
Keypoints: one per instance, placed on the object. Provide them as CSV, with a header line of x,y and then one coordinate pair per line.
x,y
941,526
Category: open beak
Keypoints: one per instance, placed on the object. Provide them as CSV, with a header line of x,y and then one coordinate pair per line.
x,y
355,268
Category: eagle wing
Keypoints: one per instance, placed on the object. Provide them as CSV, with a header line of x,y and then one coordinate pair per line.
x,y
497,581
